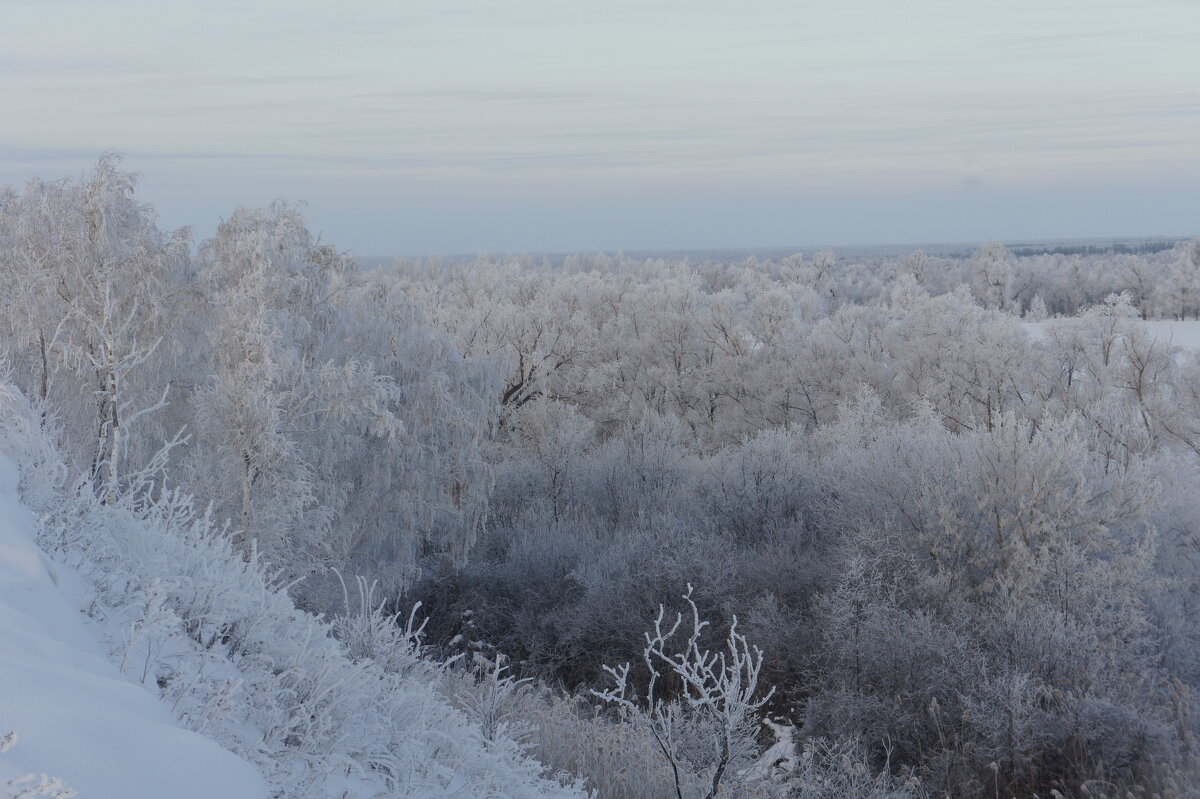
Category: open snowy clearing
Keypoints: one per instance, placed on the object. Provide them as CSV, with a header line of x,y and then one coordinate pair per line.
x,y
76,718
1180,334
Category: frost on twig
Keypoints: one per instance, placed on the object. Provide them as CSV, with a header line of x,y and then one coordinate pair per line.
x,y
32,786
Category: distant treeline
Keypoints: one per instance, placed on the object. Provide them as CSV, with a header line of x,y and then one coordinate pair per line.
x,y
1117,247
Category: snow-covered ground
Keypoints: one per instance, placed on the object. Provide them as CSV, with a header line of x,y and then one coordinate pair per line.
x,y
76,718
1180,334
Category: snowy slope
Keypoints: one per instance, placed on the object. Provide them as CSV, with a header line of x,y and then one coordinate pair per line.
x,y
225,649
75,716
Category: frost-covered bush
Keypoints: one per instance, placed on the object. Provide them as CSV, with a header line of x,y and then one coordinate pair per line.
x,y
757,490
985,581
702,707
837,770
616,760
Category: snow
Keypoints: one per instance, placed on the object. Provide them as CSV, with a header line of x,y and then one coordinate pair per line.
x,y
75,716
780,759
1180,334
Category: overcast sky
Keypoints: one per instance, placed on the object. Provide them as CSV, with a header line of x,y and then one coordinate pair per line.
x,y
562,125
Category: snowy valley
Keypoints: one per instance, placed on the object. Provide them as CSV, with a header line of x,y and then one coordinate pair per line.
x,y
821,525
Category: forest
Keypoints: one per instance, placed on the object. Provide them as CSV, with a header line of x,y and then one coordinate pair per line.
x,y
813,526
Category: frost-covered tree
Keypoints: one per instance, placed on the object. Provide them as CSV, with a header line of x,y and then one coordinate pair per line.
x,y
1178,291
335,427
88,283
265,285
992,275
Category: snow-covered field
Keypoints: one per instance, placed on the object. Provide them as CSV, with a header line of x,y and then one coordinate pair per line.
x,y
1180,334
76,718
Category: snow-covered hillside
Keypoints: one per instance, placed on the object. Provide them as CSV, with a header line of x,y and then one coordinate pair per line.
x,y
76,717
172,609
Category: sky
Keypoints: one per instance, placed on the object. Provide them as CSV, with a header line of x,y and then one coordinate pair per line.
x,y
462,126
